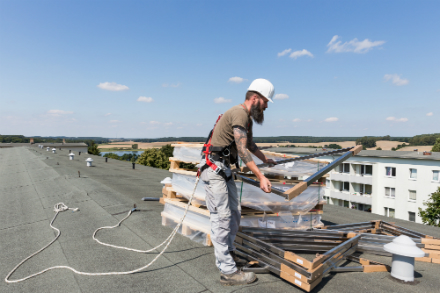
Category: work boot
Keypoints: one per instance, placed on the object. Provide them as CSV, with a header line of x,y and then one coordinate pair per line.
x,y
238,261
237,278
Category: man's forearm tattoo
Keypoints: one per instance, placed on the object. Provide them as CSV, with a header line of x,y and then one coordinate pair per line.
x,y
240,137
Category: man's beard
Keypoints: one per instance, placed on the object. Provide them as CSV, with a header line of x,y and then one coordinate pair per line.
x,y
257,113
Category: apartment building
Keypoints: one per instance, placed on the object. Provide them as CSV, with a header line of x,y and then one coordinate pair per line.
x,y
389,183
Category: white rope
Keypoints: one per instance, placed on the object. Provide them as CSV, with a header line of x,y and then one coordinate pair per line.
x,y
61,207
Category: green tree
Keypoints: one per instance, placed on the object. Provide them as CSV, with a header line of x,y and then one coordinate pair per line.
x,y
431,215
379,149
334,146
436,147
167,150
134,146
93,149
154,158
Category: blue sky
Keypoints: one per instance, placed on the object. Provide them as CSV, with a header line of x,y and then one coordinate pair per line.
x,y
168,68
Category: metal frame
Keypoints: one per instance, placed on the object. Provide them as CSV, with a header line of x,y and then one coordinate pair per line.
x,y
299,188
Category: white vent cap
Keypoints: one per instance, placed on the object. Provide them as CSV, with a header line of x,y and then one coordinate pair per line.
x,y
403,245
89,160
167,180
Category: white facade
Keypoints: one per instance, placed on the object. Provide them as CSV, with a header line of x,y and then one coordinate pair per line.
x,y
394,187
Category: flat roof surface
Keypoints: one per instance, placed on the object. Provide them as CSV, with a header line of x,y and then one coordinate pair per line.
x,y
31,184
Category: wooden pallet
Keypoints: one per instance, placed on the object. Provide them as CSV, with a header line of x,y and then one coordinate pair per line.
x,y
170,193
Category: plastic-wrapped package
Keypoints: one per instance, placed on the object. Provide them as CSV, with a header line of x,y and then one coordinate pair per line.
x,y
190,154
253,197
293,169
195,226
293,222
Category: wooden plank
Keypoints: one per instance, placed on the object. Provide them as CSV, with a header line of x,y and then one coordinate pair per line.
x,y
296,190
433,247
305,286
375,268
430,241
436,260
423,259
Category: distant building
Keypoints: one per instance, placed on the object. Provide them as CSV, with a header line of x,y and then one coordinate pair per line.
x,y
389,183
74,147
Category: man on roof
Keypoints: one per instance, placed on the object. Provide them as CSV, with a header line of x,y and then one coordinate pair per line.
x,y
232,136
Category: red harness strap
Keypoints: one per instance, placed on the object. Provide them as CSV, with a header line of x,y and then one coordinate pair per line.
x,y
208,150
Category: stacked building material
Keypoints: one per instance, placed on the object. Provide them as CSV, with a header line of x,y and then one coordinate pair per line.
x,y
303,258
259,209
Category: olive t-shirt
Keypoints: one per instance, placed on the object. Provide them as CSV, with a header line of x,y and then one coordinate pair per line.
x,y
236,116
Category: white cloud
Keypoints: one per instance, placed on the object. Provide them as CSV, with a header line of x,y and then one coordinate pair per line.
x,y
287,51
281,97
58,113
429,114
154,122
171,85
114,121
354,45
397,119
236,79
112,86
303,52
222,100
180,127
145,99
331,119
108,114
168,124
395,79
296,120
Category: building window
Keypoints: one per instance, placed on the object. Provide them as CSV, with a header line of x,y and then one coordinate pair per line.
x,y
390,192
413,173
390,171
345,168
412,195
435,175
327,183
389,212
346,186
366,170
412,216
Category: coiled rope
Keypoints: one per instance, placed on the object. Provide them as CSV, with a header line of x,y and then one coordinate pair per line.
x,y
61,207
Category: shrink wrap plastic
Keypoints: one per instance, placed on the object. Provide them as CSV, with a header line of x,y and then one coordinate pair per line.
x,y
293,169
253,197
200,226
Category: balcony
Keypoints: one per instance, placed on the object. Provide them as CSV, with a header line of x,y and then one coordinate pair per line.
x,y
353,197
361,179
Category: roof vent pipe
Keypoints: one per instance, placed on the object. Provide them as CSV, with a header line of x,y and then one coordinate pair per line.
x,y
47,149
167,180
54,150
404,251
71,156
89,162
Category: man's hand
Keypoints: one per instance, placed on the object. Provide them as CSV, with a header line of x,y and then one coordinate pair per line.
x,y
271,162
265,184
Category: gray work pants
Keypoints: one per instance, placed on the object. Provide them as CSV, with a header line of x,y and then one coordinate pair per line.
x,y
224,206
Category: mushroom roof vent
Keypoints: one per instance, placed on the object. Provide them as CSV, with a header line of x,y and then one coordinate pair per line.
x,y
71,154
403,245
166,181
89,160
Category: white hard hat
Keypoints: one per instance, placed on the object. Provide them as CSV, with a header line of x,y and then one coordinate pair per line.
x,y
263,87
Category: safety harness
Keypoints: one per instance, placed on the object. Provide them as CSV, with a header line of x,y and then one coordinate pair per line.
x,y
221,152
208,148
